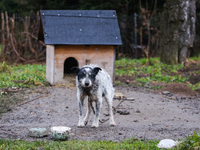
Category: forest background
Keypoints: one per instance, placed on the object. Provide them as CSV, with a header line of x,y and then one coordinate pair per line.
x,y
20,25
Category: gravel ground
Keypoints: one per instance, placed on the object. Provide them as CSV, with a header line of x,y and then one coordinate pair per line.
x,y
151,115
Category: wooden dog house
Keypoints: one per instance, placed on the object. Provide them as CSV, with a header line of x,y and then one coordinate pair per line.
x,y
77,38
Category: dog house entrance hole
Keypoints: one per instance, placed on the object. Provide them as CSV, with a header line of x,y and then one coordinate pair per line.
x,y
69,63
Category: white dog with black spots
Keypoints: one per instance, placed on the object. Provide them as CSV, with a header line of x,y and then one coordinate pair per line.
x,y
95,83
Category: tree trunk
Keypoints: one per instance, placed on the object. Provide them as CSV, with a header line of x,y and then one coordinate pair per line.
x,y
177,30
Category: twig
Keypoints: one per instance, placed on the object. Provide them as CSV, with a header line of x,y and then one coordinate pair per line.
x,y
115,108
122,100
30,101
103,121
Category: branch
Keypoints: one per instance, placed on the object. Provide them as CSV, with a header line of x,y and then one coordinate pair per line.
x,y
11,40
34,37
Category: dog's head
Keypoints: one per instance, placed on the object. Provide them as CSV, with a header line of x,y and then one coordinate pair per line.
x,y
86,75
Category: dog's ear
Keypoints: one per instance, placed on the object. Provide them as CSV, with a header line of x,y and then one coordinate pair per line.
x,y
75,69
96,70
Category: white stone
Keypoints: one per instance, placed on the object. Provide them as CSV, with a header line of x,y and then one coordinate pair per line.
x,y
167,143
38,132
165,92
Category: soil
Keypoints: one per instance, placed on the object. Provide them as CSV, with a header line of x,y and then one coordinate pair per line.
x,y
172,112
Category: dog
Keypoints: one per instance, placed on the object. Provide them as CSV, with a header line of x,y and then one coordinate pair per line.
x,y
95,83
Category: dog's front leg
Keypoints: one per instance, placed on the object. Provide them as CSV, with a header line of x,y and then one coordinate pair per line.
x,y
88,111
81,121
80,104
97,113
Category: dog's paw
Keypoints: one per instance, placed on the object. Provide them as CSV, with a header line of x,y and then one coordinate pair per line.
x,y
112,124
80,124
95,125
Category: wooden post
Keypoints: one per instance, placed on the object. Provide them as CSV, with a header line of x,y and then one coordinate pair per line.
x,y
38,17
13,40
2,37
26,31
12,29
7,50
50,64
28,38
7,26
14,18
12,33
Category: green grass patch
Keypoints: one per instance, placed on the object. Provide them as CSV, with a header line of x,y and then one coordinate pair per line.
x,y
191,142
195,58
157,71
22,75
32,75
77,145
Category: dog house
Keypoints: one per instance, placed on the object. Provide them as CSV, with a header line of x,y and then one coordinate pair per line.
x,y
76,38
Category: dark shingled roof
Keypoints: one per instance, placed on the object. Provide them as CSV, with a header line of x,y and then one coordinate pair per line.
x,y
80,27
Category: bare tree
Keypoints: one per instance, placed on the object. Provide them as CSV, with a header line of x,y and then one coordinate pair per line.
x,y
147,16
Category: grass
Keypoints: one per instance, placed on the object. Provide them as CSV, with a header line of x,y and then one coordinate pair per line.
x,y
195,58
32,75
78,145
156,72
22,75
190,143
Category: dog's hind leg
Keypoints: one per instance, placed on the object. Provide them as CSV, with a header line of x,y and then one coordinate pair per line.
x,y
88,111
109,99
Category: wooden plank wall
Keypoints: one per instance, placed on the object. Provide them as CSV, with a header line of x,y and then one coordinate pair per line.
x,y
102,55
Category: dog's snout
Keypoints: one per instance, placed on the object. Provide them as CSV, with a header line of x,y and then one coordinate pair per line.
x,y
87,83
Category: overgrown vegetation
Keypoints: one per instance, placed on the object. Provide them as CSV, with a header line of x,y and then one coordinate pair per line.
x,y
22,75
157,71
191,142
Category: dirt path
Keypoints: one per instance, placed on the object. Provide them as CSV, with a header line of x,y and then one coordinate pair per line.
x,y
151,116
